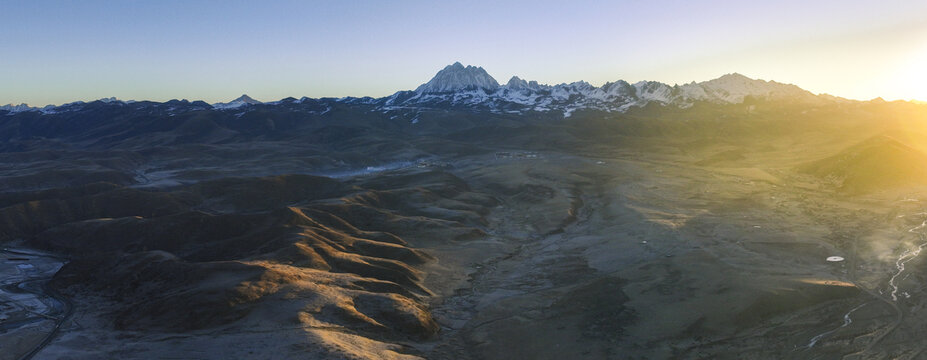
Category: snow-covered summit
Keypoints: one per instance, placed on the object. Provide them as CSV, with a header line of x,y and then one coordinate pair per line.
x,y
733,88
516,83
16,108
456,77
242,100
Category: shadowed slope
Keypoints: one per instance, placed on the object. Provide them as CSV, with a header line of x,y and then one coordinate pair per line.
x,y
284,250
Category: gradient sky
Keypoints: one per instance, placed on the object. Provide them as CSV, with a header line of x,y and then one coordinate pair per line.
x,y
60,51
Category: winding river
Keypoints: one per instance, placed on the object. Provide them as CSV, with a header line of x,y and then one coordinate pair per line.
x,y
906,256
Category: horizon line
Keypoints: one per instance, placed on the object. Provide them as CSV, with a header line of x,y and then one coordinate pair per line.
x,y
394,92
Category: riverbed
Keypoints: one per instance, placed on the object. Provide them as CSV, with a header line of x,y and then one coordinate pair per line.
x,y
30,313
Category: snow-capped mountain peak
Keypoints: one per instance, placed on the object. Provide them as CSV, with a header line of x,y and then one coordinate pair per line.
x,y
16,108
108,100
517,83
734,87
242,100
247,99
456,77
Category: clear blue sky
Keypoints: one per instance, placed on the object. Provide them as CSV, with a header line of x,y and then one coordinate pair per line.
x,y
61,51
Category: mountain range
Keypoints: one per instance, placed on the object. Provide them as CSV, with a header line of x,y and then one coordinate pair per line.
x,y
470,87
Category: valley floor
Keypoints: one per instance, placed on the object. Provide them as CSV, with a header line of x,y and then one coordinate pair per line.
x,y
622,256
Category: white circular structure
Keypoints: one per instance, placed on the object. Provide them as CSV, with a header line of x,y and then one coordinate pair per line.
x,y
834,258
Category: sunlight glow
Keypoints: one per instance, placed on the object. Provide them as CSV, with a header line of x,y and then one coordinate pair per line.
x,y
911,75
